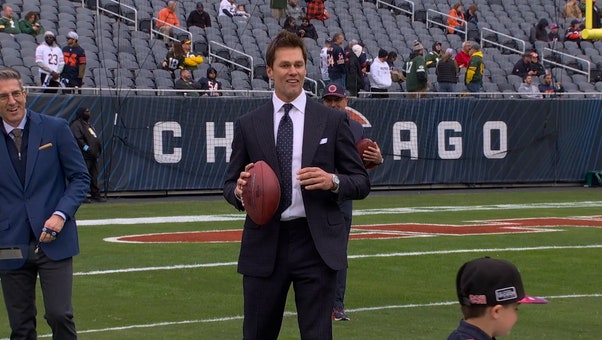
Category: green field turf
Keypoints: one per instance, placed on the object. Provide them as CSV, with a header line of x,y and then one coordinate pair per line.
x,y
399,288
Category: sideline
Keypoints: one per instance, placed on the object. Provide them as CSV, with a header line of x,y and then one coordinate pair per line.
x,y
365,212
291,314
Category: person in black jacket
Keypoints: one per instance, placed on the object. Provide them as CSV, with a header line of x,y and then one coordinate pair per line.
x,y
307,29
447,72
198,17
91,148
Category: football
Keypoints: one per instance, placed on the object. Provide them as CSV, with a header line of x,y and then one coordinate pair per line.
x,y
362,146
261,194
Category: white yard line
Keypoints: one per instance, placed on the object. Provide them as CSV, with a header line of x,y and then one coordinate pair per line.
x,y
389,211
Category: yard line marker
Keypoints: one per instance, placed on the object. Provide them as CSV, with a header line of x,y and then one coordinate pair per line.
x,y
390,211
289,314
417,253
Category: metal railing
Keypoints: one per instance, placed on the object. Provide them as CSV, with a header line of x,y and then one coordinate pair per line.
x,y
120,12
154,31
431,20
519,42
545,60
410,12
212,55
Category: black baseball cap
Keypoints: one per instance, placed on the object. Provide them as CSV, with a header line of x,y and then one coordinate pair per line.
x,y
335,91
488,282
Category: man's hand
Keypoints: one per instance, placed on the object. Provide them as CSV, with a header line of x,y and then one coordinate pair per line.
x,y
54,223
314,178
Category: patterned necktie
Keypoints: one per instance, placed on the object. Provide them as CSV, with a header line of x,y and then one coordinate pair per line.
x,y
284,149
18,138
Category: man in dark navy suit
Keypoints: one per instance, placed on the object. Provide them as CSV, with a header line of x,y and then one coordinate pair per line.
x,y
44,181
305,243
337,98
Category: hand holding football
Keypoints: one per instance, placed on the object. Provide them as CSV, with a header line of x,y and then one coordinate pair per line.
x,y
261,193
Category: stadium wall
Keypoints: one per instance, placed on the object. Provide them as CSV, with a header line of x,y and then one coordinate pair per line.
x,y
165,143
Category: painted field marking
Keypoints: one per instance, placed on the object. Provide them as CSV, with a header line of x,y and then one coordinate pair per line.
x,y
291,314
414,253
388,231
388,211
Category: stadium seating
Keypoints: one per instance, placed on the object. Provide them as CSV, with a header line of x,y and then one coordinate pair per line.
x,y
119,56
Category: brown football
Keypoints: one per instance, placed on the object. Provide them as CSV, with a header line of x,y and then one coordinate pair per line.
x,y
261,194
362,146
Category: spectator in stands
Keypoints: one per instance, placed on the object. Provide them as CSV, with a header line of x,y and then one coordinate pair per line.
x,y
324,59
549,89
49,58
210,84
186,83
227,8
278,9
336,57
167,18
396,75
455,20
198,17
535,67
522,66
528,89
174,59
191,61
8,22
432,58
241,12
30,24
294,10
290,24
316,10
471,15
573,33
75,62
553,35
380,75
307,29
571,10
447,72
415,71
473,79
355,75
463,57
538,32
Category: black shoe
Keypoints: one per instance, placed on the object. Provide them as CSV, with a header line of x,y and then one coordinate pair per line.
x,y
87,200
99,199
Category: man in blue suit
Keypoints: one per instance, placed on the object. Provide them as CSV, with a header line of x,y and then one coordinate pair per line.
x,y
305,243
44,181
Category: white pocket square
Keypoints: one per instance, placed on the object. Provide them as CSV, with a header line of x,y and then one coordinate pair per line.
x,y
323,141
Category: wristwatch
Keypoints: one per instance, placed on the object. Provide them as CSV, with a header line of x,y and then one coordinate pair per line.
x,y
335,183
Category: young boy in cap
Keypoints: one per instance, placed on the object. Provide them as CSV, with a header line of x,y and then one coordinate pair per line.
x,y
489,291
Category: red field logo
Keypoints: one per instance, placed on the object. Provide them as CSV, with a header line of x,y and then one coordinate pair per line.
x,y
392,231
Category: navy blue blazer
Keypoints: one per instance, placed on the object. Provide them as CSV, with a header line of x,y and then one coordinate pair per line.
x,y
328,144
56,179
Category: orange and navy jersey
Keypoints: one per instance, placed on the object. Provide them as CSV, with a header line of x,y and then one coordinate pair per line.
x,y
74,57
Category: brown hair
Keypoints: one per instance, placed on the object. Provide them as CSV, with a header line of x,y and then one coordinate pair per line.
x,y
284,39
33,14
8,73
470,312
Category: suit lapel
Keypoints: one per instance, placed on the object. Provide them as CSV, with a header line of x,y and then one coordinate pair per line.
x,y
264,130
315,123
10,172
35,138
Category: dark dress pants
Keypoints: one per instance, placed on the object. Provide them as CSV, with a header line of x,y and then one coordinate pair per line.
x,y
19,289
299,263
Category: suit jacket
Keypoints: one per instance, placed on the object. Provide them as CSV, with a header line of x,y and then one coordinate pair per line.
x,y
56,179
327,143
